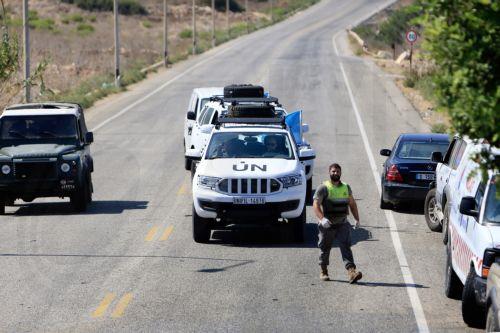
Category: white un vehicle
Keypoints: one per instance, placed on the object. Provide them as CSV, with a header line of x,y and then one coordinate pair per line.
x,y
473,242
249,173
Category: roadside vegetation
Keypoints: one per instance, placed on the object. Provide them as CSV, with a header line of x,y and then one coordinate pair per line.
x,y
456,60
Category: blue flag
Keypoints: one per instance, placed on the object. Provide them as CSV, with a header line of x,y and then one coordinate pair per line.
x,y
294,122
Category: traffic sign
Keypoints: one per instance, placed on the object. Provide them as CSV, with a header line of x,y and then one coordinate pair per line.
x,y
411,36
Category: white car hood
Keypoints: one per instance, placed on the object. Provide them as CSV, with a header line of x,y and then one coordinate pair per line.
x,y
248,167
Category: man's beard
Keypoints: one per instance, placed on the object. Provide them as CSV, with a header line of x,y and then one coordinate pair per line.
x,y
335,178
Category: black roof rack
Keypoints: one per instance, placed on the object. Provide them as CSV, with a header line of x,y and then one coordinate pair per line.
x,y
236,100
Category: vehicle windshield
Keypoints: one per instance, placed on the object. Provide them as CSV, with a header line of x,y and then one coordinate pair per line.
x,y
250,145
38,127
492,209
420,150
203,102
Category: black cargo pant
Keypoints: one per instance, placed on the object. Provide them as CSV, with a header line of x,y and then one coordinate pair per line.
x,y
342,233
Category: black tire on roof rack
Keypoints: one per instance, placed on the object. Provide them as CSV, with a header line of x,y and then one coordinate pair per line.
x,y
243,90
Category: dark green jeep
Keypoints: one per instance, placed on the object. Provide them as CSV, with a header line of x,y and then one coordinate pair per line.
x,y
45,152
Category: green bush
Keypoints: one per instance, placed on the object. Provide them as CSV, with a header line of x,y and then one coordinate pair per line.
x,y
84,29
439,128
220,5
186,33
39,23
394,29
92,18
147,24
126,7
65,20
76,18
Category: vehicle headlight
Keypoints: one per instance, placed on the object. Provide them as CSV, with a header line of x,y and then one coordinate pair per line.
x,y
291,180
208,182
65,167
5,169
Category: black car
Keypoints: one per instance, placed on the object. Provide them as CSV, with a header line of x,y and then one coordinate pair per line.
x,y
408,170
45,152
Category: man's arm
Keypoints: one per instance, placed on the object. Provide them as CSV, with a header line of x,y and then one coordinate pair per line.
x,y
354,209
318,209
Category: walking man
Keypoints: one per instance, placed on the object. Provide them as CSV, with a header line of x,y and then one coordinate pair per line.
x,y
332,202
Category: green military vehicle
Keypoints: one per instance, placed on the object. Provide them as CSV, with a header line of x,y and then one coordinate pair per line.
x,y
45,152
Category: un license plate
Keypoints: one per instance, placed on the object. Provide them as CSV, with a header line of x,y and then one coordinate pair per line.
x,y
425,176
249,201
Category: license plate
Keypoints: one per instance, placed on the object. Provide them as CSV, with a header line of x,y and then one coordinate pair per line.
x,y
249,201
425,176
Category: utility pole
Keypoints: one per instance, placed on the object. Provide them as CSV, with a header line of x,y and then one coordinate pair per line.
x,y
271,4
165,33
26,49
194,27
246,15
213,23
227,18
117,44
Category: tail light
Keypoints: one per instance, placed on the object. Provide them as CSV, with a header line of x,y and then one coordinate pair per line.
x,y
393,174
488,260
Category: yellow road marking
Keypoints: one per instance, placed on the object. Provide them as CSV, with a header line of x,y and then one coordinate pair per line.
x,y
103,306
182,190
120,308
151,234
167,233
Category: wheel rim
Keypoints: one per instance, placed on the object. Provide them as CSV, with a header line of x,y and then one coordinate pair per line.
x,y
433,211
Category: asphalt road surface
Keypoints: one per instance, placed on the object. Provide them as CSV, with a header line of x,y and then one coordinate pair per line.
x,y
130,263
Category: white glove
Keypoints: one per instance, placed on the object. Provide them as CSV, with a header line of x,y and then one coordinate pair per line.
x,y
325,223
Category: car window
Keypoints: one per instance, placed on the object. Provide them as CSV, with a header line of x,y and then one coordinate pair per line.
x,y
458,154
420,150
203,102
38,127
250,145
447,156
479,196
195,109
492,209
207,116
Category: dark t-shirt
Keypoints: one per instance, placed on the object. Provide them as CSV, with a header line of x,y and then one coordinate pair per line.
x,y
321,194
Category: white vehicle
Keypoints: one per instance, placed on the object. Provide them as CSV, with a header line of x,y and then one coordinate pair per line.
x,y
447,171
199,98
203,127
249,174
473,243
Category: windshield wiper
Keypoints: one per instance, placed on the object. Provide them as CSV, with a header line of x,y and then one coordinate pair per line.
x,y
17,134
47,133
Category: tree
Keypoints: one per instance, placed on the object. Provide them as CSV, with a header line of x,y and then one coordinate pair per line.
x,y
463,39
9,50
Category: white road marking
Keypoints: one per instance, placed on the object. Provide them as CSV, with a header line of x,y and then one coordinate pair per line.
x,y
396,241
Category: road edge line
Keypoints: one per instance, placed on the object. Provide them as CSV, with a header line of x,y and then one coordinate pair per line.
x,y
396,241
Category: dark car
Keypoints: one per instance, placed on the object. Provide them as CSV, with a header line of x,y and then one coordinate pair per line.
x,y
408,170
45,152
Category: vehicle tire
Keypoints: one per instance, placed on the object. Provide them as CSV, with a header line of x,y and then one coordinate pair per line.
x,y
297,224
80,198
201,228
446,223
187,163
90,189
193,170
472,313
2,205
384,204
309,197
431,210
452,284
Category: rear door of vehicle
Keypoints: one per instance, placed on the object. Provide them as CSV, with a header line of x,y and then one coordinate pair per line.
x,y
188,127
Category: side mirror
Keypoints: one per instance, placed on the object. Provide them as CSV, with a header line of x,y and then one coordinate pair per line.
x,y
305,128
89,137
437,157
191,115
385,152
193,154
468,207
206,129
307,154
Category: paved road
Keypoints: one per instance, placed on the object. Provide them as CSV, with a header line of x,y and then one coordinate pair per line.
x,y
129,263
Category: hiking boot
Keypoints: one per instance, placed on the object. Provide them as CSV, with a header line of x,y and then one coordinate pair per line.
x,y
353,275
324,274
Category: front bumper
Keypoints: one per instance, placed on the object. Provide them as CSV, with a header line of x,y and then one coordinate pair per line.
x,y
397,192
480,290
36,189
287,204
